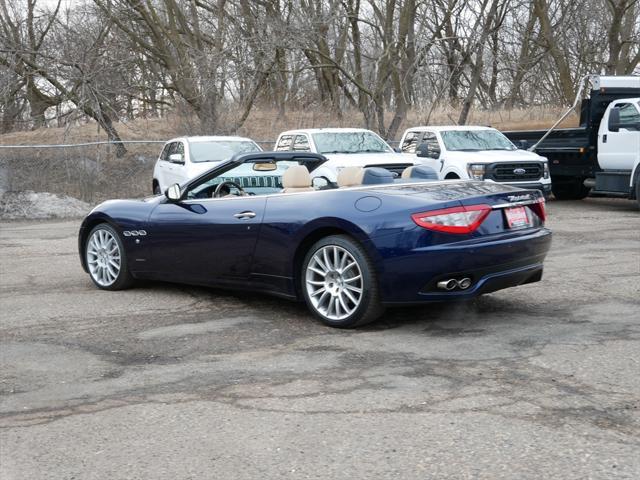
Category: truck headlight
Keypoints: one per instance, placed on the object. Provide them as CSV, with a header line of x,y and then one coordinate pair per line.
x,y
476,171
545,167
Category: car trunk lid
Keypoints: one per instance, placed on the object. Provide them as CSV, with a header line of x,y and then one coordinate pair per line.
x,y
512,208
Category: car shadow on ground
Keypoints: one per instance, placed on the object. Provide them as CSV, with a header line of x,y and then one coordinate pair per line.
x,y
438,318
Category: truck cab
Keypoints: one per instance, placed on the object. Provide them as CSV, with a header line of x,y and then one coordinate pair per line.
x,y
475,153
619,149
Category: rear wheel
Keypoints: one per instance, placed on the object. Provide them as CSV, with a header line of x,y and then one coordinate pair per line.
x,y
339,283
638,190
571,190
106,259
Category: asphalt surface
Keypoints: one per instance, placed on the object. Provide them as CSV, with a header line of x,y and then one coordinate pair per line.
x,y
174,382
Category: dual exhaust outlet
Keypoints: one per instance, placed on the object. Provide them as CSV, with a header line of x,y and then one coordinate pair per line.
x,y
453,283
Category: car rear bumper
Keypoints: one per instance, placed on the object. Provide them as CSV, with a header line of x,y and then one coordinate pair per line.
x,y
505,262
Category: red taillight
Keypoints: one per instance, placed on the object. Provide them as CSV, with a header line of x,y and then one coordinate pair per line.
x,y
453,220
539,209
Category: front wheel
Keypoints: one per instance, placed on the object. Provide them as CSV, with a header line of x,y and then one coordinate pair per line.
x,y
339,283
156,189
106,259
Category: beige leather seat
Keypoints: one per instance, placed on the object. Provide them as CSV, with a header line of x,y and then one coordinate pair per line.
x,y
350,177
296,179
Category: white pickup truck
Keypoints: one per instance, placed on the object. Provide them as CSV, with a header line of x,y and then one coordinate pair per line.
x,y
344,147
475,153
184,158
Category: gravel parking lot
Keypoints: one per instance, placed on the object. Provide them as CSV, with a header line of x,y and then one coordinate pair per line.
x,y
175,382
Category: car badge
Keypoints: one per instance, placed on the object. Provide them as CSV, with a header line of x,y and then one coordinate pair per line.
x,y
519,171
518,198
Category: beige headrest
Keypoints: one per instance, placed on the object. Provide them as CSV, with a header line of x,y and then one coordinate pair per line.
x,y
296,176
350,176
406,173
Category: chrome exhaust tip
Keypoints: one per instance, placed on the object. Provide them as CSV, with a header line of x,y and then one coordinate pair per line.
x,y
447,284
464,283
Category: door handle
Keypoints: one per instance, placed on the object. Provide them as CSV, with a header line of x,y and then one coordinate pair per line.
x,y
245,215
604,138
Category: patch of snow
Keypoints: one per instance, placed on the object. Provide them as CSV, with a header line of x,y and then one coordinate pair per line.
x,y
30,205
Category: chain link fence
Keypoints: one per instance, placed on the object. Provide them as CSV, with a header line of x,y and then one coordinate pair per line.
x,y
87,171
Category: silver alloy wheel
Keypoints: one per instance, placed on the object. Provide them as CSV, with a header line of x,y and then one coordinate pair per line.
x,y
334,282
103,257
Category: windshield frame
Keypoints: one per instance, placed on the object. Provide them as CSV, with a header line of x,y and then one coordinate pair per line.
x,y
446,136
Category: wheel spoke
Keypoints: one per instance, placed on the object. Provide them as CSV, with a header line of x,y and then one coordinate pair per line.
x,y
324,295
350,296
343,261
352,279
317,292
325,257
341,302
319,272
348,266
321,264
331,303
353,289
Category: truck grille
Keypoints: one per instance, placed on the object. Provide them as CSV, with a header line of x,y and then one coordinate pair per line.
x,y
396,168
513,172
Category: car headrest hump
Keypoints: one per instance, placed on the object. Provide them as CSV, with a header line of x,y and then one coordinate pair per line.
x,y
420,172
376,175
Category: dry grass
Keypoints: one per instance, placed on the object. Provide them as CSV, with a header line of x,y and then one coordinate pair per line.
x,y
92,173
265,124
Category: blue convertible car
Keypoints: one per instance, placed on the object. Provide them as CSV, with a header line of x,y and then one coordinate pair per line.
x,y
348,250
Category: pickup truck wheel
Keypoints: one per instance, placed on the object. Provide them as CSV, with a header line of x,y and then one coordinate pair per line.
x,y
156,189
638,190
574,190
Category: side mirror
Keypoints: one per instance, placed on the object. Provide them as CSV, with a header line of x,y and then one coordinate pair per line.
x,y
173,193
522,145
614,120
176,158
422,150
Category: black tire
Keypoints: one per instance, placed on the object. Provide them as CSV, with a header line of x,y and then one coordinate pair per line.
x,y
123,279
156,189
369,307
573,190
638,190
452,176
